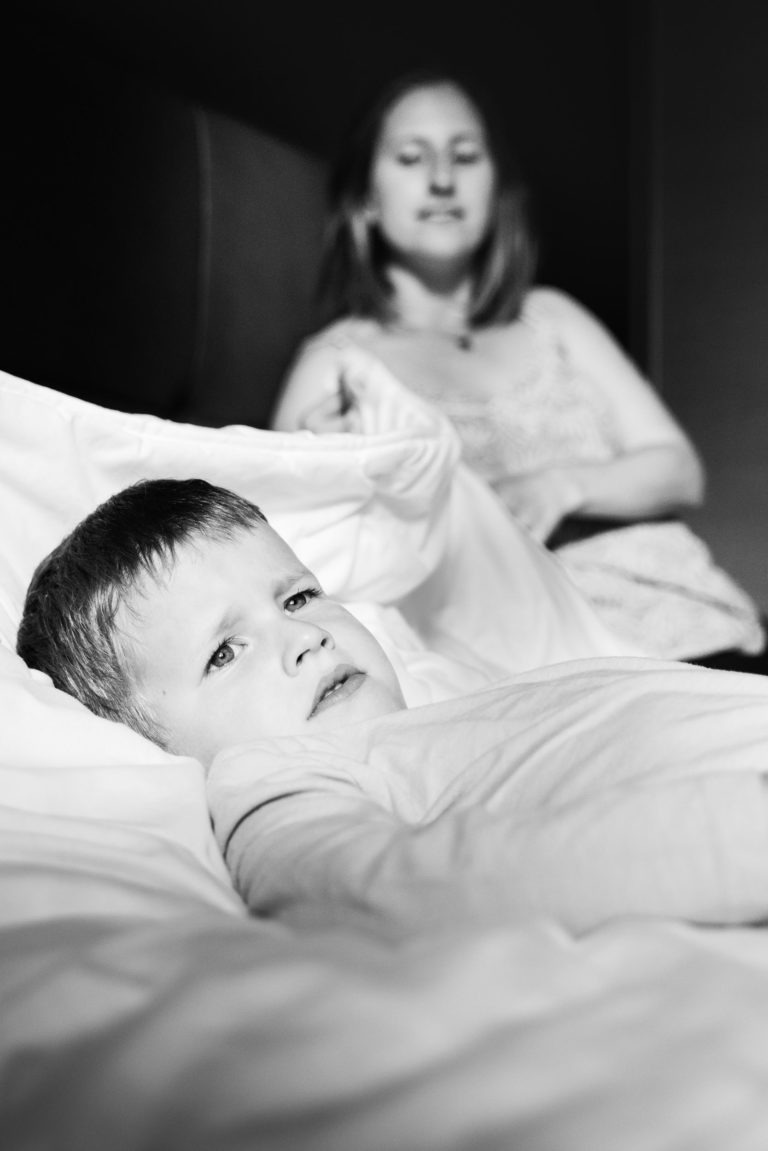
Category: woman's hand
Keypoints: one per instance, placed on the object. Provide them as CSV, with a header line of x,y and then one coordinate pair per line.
x,y
651,481
335,413
540,500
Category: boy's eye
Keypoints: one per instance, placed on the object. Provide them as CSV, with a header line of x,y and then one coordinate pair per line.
x,y
223,655
301,598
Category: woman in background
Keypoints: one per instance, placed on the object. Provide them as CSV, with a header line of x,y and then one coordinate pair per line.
x,y
429,266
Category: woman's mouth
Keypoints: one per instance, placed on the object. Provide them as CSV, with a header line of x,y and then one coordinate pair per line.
x,y
337,687
441,215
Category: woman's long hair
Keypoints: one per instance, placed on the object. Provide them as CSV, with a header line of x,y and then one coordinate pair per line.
x,y
353,278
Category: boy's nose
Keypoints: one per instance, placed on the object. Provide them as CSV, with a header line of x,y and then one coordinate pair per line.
x,y
304,639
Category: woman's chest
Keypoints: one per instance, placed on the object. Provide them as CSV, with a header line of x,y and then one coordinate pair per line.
x,y
516,401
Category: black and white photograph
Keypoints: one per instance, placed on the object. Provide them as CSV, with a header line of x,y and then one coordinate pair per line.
x,y
384,577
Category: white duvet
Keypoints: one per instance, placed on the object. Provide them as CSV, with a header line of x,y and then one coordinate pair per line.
x,y
143,1009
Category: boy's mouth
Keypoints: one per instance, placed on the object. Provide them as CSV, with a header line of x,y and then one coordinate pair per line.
x,y
342,683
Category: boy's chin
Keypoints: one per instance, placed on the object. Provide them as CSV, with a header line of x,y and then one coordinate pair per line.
x,y
373,702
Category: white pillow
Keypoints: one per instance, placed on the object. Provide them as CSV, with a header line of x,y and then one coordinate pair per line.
x,y
389,517
343,506
94,817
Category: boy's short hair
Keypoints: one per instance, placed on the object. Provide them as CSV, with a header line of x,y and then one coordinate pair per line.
x,y
67,628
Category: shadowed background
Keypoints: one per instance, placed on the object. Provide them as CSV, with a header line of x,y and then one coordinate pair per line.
x,y
163,195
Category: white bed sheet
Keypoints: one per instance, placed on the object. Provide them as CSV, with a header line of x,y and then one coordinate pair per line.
x,y
207,1031
142,1009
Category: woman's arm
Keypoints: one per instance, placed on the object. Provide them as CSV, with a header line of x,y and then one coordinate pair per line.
x,y
311,380
657,469
640,484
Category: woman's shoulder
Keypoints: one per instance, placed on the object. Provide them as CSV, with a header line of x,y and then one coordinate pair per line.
x,y
566,319
546,302
341,334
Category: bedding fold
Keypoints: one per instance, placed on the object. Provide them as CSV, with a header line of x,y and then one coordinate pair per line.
x,y
212,1032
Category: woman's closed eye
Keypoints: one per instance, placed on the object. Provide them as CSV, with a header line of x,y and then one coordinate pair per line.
x,y
467,154
410,156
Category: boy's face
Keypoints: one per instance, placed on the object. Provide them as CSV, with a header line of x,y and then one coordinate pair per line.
x,y
238,642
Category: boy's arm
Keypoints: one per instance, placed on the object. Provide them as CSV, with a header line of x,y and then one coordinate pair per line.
x,y
694,849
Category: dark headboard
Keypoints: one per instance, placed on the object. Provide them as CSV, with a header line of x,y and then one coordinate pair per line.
x,y
157,256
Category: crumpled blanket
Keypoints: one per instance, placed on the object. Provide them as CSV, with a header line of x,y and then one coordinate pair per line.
x,y
209,1033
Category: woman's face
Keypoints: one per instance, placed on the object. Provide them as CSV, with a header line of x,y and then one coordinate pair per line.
x,y
432,178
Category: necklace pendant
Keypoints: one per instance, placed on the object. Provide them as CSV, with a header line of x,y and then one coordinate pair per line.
x,y
464,342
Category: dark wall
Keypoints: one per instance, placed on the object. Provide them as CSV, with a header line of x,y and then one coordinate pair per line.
x,y
98,227
709,259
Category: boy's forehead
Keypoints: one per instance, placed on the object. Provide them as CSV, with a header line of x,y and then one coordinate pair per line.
x,y
208,572
256,547
261,542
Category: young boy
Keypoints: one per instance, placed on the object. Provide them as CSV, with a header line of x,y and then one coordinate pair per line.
x,y
582,791
175,608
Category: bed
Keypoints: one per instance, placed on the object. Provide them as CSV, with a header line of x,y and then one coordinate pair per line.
x,y
144,1008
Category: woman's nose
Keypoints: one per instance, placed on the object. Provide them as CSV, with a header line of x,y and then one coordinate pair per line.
x,y
303,639
441,176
